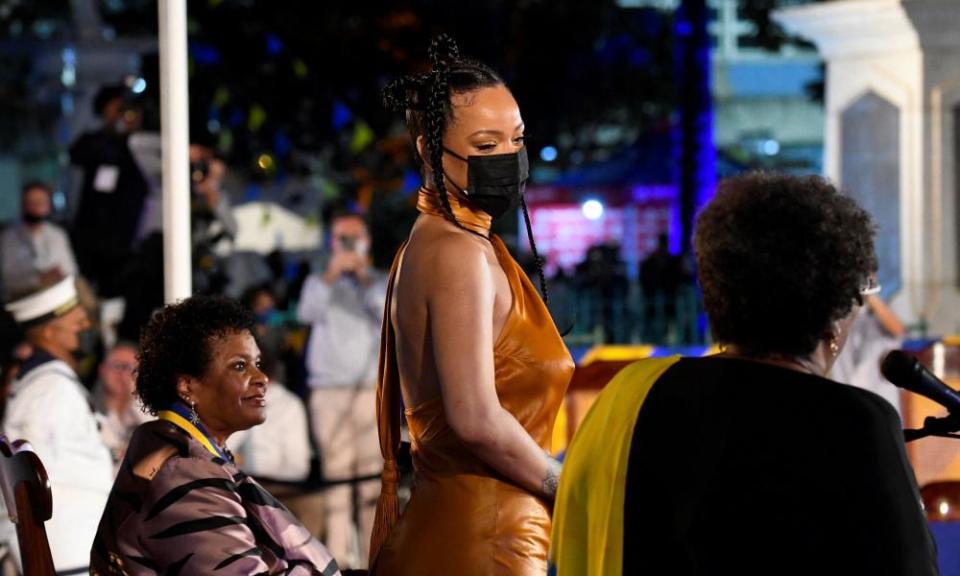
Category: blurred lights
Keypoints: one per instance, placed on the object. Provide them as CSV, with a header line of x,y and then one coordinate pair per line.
x,y
69,57
592,209
68,74
770,147
265,162
548,153
274,44
300,68
68,77
44,28
59,200
944,508
139,85
66,103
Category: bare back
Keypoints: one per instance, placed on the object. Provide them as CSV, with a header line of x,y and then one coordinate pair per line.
x,y
435,252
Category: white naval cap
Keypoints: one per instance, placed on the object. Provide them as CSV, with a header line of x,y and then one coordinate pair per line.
x,y
45,304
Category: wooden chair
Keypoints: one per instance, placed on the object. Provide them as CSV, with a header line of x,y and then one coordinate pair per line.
x,y
26,494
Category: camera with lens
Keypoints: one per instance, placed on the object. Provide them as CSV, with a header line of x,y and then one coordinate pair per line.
x,y
348,243
199,171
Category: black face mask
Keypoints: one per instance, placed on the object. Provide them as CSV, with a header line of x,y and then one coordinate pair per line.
x,y
34,219
494,183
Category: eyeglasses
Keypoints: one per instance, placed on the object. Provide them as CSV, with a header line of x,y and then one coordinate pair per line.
x,y
122,367
873,287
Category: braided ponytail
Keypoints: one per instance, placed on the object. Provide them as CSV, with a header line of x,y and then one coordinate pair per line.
x,y
442,51
425,98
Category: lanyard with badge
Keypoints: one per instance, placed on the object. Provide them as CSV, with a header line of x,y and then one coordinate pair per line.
x,y
179,416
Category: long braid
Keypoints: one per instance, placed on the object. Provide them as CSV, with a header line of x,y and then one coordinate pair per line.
x,y
536,254
435,125
425,99
443,50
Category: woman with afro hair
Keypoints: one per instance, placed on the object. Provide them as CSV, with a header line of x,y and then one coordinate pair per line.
x,y
179,504
751,461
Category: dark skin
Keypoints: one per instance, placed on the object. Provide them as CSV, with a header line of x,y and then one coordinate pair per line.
x,y
230,396
453,299
60,336
817,362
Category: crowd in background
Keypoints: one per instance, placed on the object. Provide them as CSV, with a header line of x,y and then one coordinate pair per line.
x,y
318,316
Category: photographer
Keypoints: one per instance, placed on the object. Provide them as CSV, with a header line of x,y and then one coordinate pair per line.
x,y
344,306
213,226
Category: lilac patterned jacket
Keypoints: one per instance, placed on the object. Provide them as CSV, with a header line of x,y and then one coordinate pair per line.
x,y
175,508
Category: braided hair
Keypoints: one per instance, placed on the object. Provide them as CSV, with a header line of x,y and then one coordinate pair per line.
x,y
425,99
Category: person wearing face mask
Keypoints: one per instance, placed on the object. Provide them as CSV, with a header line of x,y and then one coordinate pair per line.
x,y
343,305
51,409
34,250
468,345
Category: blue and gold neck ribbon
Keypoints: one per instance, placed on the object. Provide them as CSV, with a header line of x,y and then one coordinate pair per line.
x,y
179,416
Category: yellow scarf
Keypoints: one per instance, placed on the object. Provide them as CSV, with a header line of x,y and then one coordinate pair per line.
x,y
587,537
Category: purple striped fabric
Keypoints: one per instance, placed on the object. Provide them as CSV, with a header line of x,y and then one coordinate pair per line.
x,y
175,508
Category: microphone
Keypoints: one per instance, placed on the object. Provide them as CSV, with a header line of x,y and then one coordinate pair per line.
x,y
905,371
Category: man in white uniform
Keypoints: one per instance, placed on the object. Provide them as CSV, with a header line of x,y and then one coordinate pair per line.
x,y
51,409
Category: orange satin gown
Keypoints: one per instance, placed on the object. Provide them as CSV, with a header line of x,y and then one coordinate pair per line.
x,y
464,518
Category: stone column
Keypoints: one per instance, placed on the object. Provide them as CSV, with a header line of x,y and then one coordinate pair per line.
x,y
893,109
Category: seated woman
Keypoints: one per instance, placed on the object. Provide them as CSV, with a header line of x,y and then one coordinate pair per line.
x,y
751,461
179,504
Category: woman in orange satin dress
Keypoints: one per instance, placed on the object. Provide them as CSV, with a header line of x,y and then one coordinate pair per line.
x,y
468,343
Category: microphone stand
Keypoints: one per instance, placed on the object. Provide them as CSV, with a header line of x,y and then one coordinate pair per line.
x,y
945,427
